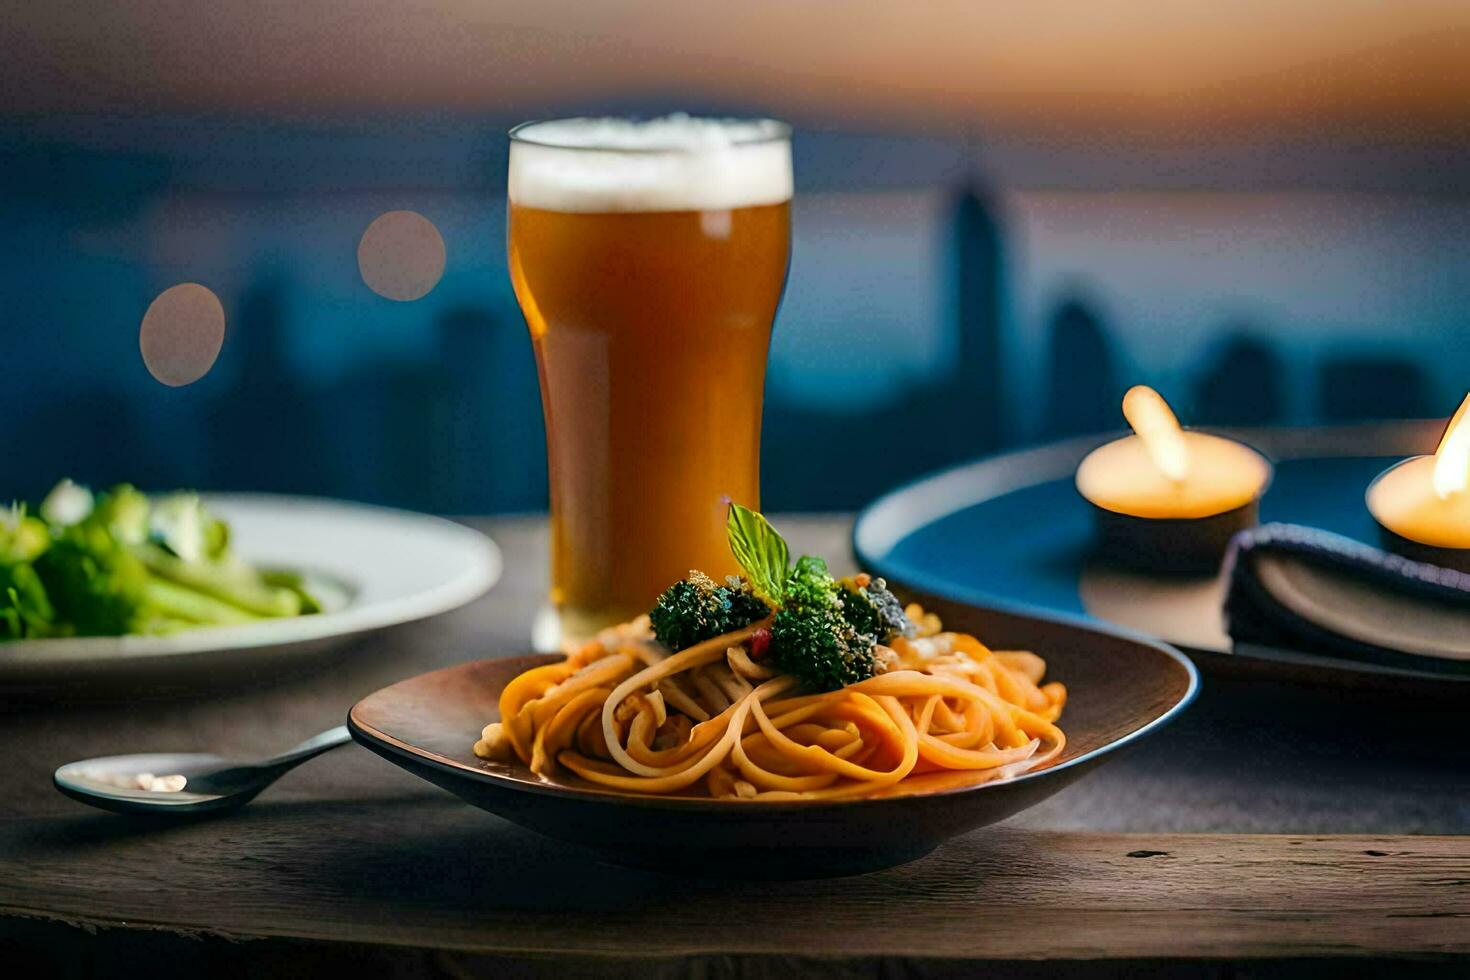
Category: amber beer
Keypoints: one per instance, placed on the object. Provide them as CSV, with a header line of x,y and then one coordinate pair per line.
x,y
648,259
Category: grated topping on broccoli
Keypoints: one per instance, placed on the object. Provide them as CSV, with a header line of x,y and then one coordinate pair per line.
x,y
695,609
874,610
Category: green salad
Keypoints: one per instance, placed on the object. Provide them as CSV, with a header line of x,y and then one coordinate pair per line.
x,y
122,562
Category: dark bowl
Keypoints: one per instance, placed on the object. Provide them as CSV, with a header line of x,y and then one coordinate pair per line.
x,y
1121,687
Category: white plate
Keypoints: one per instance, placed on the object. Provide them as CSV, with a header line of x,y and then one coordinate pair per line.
x,y
374,566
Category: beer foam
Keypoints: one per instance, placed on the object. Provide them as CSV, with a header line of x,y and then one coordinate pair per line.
x,y
677,163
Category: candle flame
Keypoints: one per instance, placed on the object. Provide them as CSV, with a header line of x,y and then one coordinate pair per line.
x,y
1452,458
1154,422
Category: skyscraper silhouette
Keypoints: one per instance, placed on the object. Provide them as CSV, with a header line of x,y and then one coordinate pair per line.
x,y
269,431
1082,392
819,459
1243,383
978,274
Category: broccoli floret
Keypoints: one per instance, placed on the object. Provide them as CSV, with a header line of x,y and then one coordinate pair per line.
x,y
94,582
810,585
821,649
810,636
745,607
695,609
874,610
859,612
25,610
22,537
123,512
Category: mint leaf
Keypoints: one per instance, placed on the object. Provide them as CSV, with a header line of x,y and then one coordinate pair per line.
x,y
760,550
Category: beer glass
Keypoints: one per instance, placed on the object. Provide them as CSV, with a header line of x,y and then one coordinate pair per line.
x,y
648,259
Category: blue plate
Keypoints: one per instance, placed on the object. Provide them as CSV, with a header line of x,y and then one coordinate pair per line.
x,y
1011,530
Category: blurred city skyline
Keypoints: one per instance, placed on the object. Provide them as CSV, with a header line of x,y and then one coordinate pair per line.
x,y
934,327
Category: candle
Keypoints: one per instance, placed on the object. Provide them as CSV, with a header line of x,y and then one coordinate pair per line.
x,y
1422,505
1167,498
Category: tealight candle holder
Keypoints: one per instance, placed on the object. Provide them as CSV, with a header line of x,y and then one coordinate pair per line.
x,y
1169,499
1421,504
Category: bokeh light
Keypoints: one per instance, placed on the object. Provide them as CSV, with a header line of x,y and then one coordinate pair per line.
x,y
401,255
181,334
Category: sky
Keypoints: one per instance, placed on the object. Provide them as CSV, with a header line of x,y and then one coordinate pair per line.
x,y
1197,66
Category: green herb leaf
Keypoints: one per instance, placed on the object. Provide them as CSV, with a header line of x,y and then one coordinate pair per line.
x,y
760,550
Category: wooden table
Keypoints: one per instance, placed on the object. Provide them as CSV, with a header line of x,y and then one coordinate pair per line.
x,y
1269,824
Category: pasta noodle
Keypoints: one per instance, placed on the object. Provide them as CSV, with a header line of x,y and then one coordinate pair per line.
x,y
624,713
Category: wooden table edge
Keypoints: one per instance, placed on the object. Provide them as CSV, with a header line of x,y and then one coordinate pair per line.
x,y
1425,933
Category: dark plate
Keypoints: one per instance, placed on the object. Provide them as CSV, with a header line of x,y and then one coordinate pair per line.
x,y
1121,688
1011,530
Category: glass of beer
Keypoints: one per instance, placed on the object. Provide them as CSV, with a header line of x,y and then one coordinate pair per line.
x,y
648,259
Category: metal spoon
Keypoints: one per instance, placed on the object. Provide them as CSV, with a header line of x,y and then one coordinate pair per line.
x,y
181,782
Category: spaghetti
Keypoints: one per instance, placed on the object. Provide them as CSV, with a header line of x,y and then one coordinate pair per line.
x,y
716,719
